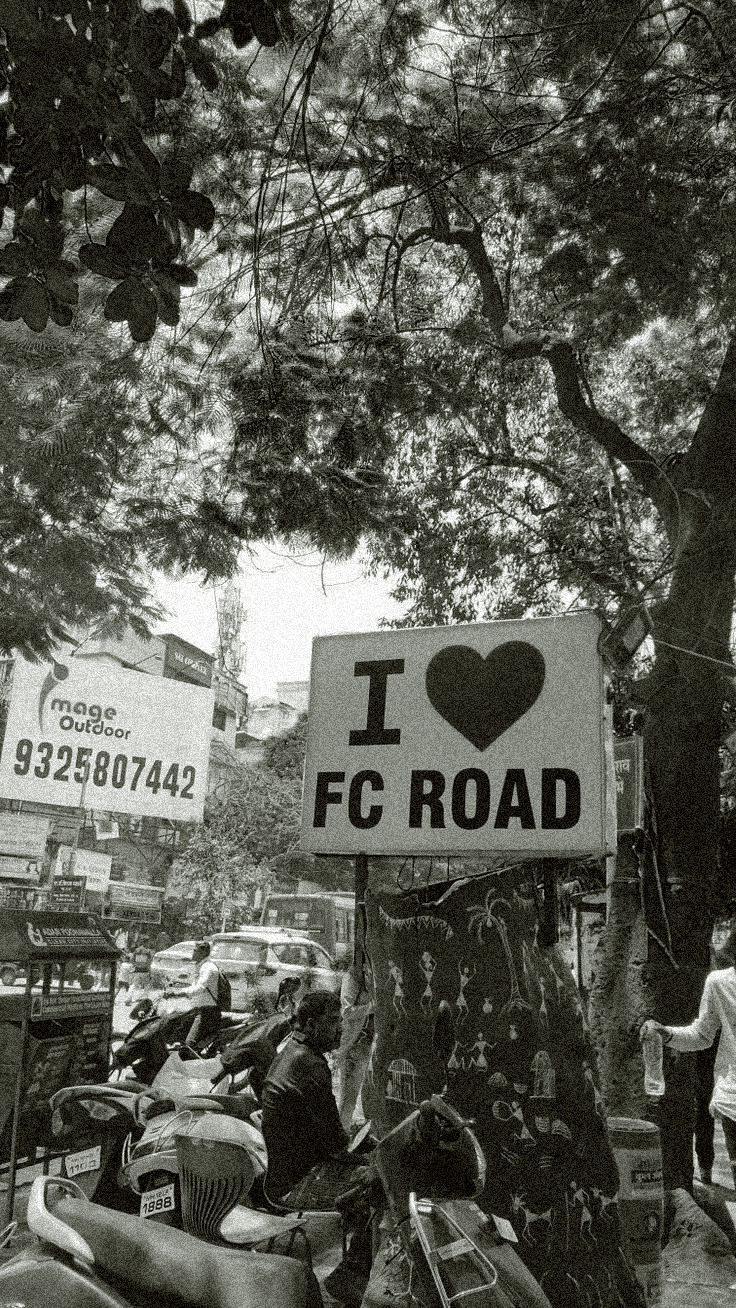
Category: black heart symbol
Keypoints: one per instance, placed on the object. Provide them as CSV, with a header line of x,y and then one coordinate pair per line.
x,y
482,697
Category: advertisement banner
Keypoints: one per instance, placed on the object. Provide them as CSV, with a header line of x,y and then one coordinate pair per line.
x,y
94,867
126,894
142,741
491,737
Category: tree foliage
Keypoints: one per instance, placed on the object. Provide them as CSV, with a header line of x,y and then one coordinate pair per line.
x,y
86,84
107,468
284,753
250,836
256,820
489,276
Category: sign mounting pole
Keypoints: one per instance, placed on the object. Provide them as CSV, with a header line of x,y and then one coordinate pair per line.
x,y
81,812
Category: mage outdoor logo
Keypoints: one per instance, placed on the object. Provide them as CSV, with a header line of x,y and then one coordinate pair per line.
x,y
35,935
92,719
59,672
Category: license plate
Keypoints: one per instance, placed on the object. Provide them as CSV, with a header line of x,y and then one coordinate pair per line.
x,y
87,1160
160,1200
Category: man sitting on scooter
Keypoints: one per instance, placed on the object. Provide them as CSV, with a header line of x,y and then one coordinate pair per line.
x,y
203,994
308,1167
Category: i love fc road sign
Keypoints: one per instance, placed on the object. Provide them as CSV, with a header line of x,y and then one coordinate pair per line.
x,y
490,737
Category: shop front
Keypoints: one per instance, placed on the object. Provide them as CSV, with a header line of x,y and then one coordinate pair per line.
x,y
57,989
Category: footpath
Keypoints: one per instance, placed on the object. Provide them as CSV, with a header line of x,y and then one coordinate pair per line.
x,y
699,1259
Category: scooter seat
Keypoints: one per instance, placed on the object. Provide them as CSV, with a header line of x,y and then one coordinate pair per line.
x,y
247,1226
238,1106
166,1263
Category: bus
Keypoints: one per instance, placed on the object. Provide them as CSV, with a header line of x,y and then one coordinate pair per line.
x,y
327,918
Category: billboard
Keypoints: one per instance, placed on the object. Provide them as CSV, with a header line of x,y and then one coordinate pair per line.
x,y
141,742
491,737
23,835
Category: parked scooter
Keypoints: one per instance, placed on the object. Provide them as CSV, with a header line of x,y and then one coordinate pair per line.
x,y
100,1125
144,1050
90,1257
92,1124
426,1174
215,1099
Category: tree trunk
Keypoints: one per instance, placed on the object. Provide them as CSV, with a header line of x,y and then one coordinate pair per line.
x,y
521,1066
619,1000
679,881
695,497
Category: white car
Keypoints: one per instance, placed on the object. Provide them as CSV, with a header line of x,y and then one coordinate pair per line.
x,y
256,960
174,966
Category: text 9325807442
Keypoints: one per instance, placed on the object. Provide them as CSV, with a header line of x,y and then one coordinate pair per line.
x,y
106,770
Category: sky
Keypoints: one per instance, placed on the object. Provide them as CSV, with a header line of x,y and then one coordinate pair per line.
x,y
288,599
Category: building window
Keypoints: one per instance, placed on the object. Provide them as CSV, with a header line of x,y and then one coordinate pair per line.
x,y
219,717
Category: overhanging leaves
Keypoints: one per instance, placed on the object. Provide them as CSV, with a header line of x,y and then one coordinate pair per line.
x,y
134,303
82,98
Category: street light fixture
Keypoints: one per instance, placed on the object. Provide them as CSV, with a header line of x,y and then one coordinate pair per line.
x,y
619,644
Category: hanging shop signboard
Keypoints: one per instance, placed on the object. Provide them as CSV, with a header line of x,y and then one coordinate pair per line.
x,y
22,846
134,903
141,741
450,740
94,867
23,835
629,764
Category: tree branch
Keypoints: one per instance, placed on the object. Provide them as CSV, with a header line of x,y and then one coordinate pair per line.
x,y
471,240
512,461
645,470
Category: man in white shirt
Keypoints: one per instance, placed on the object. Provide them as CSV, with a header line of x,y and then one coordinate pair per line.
x,y
717,1013
203,994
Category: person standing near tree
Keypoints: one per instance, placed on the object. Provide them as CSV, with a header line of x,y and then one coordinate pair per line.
x,y
716,1019
351,1058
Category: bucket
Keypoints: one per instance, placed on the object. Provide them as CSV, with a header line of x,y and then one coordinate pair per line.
x,y
636,1148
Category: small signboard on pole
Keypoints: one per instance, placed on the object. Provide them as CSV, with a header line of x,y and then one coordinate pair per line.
x,y
66,894
629,764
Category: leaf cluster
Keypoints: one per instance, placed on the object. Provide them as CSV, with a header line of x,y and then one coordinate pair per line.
x,y
84,85
101,478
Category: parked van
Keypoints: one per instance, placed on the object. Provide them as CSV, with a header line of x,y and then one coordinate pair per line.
x,y
327,918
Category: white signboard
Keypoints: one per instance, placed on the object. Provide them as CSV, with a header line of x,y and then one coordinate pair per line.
x,y
89,864
23,835
439,740
144,740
